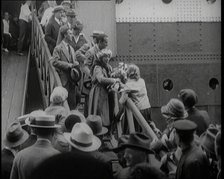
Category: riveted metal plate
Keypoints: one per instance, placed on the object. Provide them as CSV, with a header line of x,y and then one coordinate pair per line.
x,y
192,76
149,74
176,11
189,37
166,38
211,37
123,38
142,38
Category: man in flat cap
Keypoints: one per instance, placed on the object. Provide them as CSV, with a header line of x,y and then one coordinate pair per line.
x,y
64,60
53,26
71,19
200,117
193,163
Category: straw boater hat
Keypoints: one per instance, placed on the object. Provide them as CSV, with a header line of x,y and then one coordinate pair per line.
x,y
95,123
66,2
137,141
15,135
59,95
175,109
42,121
82,138
96,33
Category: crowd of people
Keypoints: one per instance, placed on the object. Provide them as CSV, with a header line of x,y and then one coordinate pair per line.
x,y
57,143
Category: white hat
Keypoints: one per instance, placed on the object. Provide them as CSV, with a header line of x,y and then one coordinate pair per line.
x,y
82,138
59,94
42,121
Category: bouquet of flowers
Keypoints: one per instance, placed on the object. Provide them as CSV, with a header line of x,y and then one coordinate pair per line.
x,y
120,72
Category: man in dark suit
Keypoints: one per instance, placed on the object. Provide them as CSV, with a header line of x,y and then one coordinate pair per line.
x,y
15,136
79,38
28,159
200,117
52,28
64,60
193,163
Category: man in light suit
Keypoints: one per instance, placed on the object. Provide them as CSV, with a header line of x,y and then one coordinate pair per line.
x,y
52,28
28,159
64,60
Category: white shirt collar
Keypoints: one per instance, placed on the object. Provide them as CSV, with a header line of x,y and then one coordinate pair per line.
x,y
43,139
12,150
57,20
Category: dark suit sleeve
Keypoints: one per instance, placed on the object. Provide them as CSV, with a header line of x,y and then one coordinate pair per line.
x,y
58,63
48,35
195,170
14,172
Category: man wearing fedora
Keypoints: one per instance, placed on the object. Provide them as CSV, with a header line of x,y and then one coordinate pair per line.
x,y
136,150
95,123
200,117
28,159
82,140
15,137
79,38
193,163
53,26
32,137
66,65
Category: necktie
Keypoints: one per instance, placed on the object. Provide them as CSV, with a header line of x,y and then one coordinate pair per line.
x,y
70,53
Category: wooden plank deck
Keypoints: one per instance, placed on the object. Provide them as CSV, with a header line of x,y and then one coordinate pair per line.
x,y
13,76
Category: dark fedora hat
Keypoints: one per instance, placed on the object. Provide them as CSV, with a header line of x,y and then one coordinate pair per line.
x,y
95,123
71,13
15,135
75,74
77,25
136,141
21,119
207,139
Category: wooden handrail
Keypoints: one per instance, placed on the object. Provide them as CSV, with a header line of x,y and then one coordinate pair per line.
x,y
48,76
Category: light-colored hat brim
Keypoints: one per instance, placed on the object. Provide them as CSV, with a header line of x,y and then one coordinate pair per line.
x,y
95,144
104,131
166,114
15,144
27,121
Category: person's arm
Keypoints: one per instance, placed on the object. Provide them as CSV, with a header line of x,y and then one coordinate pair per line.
x,y
48,32
101,78
62,65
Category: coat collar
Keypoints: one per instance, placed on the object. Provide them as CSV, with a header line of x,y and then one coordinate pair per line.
x,y
65,51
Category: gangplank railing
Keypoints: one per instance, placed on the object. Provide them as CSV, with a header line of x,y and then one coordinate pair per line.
x,y
47,74
49,79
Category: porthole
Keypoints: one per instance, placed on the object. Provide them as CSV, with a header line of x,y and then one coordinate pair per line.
x,y
167,1
213,83
119,1
210,1
167,85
